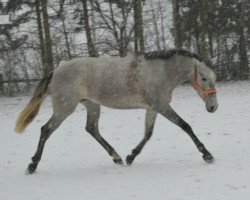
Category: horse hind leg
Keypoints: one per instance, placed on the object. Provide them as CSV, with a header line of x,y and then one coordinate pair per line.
x,y
149,126
60,113
46,131
93,115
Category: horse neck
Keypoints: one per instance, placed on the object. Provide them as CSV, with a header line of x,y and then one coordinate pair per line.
x,y
175,70
184,66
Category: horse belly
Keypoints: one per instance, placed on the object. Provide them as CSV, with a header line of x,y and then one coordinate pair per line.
x,y
128,102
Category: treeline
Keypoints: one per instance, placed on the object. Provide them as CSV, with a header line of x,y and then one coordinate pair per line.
x,y
40,33
217,29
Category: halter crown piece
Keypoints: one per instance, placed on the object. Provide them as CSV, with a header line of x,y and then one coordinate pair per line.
x,y
197,86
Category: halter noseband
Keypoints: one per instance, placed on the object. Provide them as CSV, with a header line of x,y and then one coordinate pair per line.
x,y
197,86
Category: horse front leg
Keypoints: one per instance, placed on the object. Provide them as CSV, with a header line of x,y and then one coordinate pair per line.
x,y
149,126
46,131
171,115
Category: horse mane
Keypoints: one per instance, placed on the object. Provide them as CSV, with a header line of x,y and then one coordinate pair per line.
x,y
166,54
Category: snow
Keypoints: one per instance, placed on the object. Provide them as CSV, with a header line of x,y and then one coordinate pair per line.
x,y
74,166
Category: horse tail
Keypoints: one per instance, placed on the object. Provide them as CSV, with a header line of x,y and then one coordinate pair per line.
x,y
31,110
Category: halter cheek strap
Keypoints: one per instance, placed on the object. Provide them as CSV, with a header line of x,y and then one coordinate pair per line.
x,y
196,85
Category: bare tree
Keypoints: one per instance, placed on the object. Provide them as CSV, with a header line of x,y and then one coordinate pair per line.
x,y
91,47
244,69
177,24
40,33
156,29
47,41
117,24
139,38
203,30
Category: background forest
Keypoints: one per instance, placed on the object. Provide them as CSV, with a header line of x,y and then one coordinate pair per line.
x,y
37,35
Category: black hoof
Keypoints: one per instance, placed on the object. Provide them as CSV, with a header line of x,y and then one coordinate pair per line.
x,y
129,159
118,161
208,158
31,168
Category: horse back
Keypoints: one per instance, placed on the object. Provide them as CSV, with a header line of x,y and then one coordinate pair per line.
x,y
112,82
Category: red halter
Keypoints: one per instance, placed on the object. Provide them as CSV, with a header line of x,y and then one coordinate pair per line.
x,y
197,86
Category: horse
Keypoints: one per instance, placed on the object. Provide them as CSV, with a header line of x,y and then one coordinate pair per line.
x,y
136,81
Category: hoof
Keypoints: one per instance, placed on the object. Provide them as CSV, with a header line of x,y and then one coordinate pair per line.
x,y
31,168
208,158
129,159
118,161
116,158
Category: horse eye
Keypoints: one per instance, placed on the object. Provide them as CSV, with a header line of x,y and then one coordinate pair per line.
x,y
204,79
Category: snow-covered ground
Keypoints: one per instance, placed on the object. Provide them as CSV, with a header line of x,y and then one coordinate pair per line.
x,y
74,166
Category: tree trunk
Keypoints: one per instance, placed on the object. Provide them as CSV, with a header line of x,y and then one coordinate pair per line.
x,y
139,38
243,68
203,29
177,24
93,24
25,71
65,32
162,26
1,84
210,42
157,34
123,33
40,33
91,48
48,45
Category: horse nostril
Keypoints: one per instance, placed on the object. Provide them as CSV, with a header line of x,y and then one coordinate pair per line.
x,y
212,108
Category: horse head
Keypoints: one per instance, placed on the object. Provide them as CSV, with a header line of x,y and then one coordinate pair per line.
x,y
204,80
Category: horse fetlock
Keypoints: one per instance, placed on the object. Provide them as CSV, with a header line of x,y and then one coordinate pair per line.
x,y
135,151
130,158
45,129
36,159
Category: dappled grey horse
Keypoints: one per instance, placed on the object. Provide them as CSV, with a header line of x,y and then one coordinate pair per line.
x,y
135,81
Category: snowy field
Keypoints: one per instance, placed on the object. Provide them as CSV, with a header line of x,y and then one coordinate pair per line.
x,y
74,166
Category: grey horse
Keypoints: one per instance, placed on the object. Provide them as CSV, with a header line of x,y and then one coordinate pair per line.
x,y
136,81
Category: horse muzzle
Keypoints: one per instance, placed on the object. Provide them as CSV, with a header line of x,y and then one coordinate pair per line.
x,y
212,108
